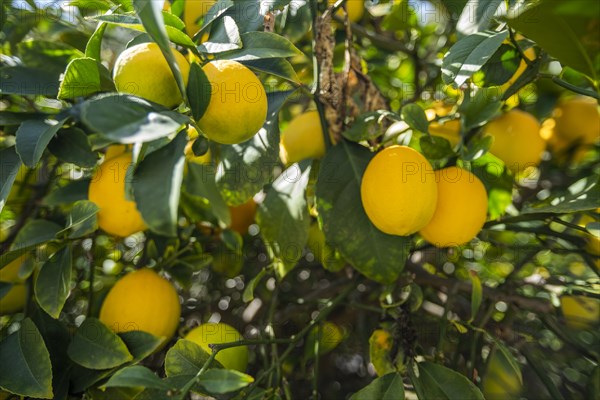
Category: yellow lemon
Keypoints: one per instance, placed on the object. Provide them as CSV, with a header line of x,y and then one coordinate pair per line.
x,y
142,301
117,216
238,103
580,312
530,56
517,140
10,272
14,300
114,150
355,9
212,333
562,149
302,139
381,345
242,216
193,10
577,120
398,191
330,335
449,130
143,71
461,208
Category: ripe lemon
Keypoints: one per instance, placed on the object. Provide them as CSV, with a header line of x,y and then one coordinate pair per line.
x,y
142,70
238,103
577,120
461,208
142,301
114,150
517,140
212,333
242,216
355,9
398,191
449,130
117,216
14,300
302,139
580,312
193,10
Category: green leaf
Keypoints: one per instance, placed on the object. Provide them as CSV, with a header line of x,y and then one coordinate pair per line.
x,y
481,107
95,346
71,192
279,67
435,147
477,148
220,381
94,44
72,145
503,376
198,90
200,182
283,216
35,232
128,119
469,54
185,358
140,344
53,282
136,376
81,220
582,195
477,15
83,77
32,138
25,367
248,295
151,15
47,55
11,162
368,126
28,81
563,29
347,228
476,294
259,45
157,185
224,36
500,67
217,10
415,117
435,381
245,168
387,387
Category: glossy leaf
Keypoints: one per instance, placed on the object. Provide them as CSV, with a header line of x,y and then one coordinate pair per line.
x,y
476,15
83,77
435,381
199,90
258,45
415,117
32,138
9,168
53,282
387,387
35,232
136,376
185,358
81,220
221,381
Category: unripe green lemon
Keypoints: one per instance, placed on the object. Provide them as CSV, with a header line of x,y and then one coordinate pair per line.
x,y
237,109
398,191
461,208
142,301
302,139
142,70
213,333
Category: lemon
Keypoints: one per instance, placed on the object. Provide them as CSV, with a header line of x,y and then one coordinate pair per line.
x,y
14,300
114,150
302,139
142,301
242,216
142,70
10,272
449,130
398,191
117,216
212,333
381,344
330,335
238,103
517,140
193,10
529,55
461,208
580,312
355,9
501,381
577,120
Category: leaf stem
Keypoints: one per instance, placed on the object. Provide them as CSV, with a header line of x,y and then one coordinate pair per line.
x,y
571,87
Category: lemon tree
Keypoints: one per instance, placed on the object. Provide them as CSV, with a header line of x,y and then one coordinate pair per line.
x,y
251,199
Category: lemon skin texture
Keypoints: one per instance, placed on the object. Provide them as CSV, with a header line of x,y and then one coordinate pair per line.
x,y
237,109
302,139
193,10
14,300
461,208
212,333
577,120
517,140
142,301
242,216
143,71
117,215
398,191
355,9
580,312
